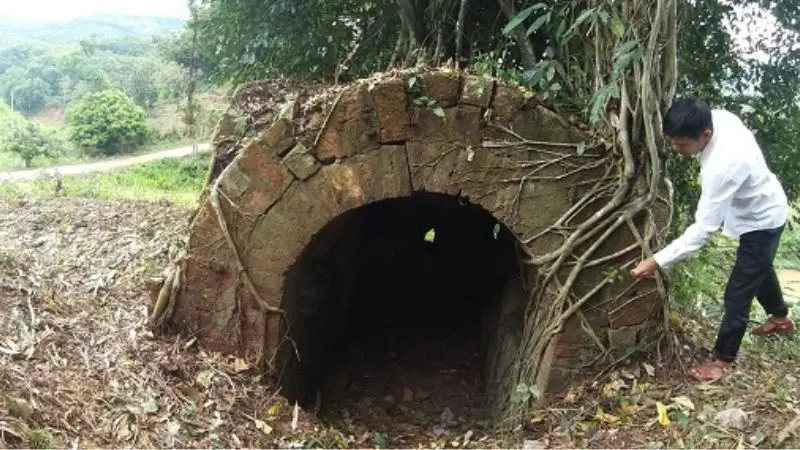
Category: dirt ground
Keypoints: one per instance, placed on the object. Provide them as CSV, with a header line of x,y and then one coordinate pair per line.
x,y
79,367
425,385
78,362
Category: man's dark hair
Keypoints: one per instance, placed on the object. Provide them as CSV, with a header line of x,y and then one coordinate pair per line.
x,y
687,118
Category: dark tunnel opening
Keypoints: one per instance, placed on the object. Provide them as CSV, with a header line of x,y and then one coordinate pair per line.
x,y
393,308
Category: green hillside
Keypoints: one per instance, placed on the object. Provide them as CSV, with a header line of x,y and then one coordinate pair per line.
x,y
103,26
45,70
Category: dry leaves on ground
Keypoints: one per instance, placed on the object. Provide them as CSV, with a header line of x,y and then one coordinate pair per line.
x,y
78,365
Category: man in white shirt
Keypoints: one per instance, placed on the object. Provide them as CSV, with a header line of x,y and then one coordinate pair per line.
x,y
742,195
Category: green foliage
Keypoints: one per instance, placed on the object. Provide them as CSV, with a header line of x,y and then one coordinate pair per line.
x,y
177,48
254,39
28,140
789,255
560,73
416,92
108,121
250,39
35,74
40,438
763,90
24,90
697,284
8,118
525,393
499,62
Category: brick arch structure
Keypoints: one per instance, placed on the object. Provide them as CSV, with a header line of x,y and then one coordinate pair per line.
x,y
369,142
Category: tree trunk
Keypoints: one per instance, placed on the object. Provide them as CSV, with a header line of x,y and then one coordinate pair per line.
x,y
437,52
408,18
343,66
191,120
462,14
524,44
402,38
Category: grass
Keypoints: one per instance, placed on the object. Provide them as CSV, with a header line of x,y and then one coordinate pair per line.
x,y
175,180
700,282
789,253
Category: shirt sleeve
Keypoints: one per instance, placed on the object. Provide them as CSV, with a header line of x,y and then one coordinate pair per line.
x,y
715,198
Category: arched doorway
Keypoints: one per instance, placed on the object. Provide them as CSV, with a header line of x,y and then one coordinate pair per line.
x,y
400,308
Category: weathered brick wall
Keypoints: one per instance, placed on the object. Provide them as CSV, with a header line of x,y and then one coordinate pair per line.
x,y
302,171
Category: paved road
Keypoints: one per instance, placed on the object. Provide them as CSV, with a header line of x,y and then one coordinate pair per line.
x,y
102,166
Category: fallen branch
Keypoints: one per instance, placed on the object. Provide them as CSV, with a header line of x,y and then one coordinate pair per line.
x,y
327,118
164,295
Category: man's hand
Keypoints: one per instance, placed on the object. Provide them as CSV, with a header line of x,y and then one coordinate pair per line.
x,y
645,269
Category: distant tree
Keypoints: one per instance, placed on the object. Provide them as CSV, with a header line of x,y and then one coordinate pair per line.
x,y
82,75
171,80
130,46
192,108
29,140
107,121
179,48
23,91
136,76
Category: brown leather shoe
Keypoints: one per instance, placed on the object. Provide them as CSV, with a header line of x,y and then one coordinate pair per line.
x,y
772,326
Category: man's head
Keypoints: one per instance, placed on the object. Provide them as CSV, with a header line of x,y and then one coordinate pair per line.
x,y
687,124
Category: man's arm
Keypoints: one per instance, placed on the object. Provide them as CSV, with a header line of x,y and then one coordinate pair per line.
x,y
715,198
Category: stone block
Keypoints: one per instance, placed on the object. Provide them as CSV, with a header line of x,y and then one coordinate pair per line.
x,y
278,139
207,303
507,102
622,338
391,108
477,91
235,182
352,128
269,179
301,163
384,173
541,124
635,311
229,128
462,125
432,165
442,87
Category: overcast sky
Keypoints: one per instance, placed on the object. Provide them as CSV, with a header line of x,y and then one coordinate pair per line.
x,y
64,10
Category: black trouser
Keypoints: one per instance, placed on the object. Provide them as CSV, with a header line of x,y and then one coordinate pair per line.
x,y
753,275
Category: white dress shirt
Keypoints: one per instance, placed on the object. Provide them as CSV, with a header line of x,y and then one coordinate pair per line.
x,y
738,190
